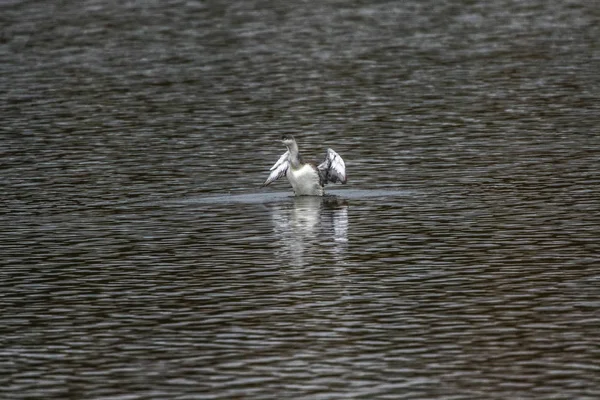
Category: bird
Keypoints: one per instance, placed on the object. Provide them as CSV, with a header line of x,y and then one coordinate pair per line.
x,y
307,179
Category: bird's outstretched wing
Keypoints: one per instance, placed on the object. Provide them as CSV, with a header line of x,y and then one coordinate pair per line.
x,y
279,169
333,168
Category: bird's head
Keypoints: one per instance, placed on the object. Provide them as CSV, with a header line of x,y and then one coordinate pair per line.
x,y
288,140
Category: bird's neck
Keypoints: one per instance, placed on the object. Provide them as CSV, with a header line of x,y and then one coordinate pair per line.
x,y
295,157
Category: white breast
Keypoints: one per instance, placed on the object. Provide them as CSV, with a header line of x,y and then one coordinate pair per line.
x,y
305,181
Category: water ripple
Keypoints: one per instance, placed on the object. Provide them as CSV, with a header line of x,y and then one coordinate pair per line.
x,y
141,258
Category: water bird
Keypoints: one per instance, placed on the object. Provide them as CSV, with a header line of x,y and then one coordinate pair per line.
x,y
307,179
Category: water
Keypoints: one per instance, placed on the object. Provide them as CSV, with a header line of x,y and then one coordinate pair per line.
x,y
141,258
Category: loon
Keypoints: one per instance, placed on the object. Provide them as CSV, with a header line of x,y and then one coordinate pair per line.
x,y
307,179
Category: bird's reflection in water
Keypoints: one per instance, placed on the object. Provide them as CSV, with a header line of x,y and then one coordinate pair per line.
x,y
310,227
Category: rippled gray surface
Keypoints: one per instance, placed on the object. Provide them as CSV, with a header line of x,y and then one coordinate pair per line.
x,y
141,258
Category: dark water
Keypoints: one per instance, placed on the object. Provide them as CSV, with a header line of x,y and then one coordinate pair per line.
x,y
141,259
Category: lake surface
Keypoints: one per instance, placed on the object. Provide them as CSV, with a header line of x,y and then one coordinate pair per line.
x,y
140,257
